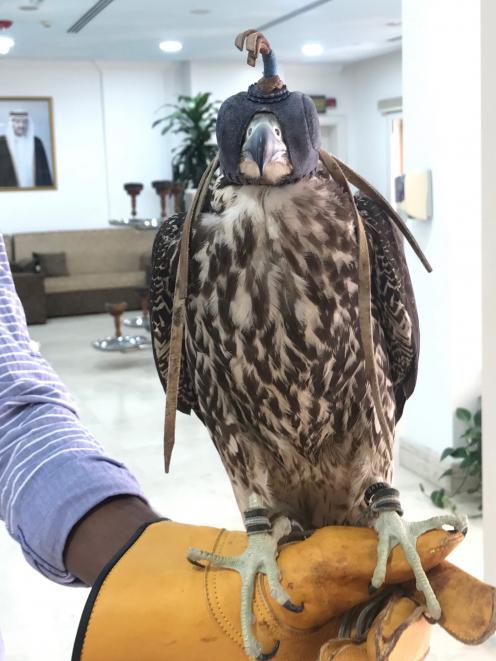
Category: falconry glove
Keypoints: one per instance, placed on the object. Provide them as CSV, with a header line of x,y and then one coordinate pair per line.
x,y
151,604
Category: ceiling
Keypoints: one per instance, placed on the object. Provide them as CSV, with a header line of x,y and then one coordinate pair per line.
x,y
348,30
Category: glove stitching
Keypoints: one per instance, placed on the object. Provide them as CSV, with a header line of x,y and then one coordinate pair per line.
x,y
338,651
389,642
263,608
213,599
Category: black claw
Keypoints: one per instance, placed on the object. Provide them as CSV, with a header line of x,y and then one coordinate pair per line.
x,y
294,608
196,563
455,531
430,619
270,655
372,589
296,536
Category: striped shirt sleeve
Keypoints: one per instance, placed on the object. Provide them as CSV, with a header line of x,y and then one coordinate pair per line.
x,y
52,470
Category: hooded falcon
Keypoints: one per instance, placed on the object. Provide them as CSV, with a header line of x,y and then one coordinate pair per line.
x,y
274,361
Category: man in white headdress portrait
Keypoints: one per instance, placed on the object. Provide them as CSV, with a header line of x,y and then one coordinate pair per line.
x,y
23,160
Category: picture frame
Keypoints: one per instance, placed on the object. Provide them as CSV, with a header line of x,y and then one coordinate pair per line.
x,y
320,102
27,144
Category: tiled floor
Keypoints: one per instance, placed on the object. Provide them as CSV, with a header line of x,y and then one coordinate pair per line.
x,y
121,401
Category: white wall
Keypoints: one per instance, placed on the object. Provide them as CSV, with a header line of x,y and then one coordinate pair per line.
x,y
80,199
368,82
103,112
441,56
226,78
131,96
489,285
103,138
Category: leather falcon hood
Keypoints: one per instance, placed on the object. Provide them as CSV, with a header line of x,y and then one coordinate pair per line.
x,y
295,112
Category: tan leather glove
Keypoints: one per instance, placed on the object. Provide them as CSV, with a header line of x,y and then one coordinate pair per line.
x,y
151,604
400,632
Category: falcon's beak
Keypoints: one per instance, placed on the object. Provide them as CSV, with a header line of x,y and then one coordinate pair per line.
x,y
262,146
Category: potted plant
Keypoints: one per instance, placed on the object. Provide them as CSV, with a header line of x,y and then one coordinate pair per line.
x,y
194,118
467,474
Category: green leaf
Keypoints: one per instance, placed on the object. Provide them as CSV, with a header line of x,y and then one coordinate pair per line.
x,y
459,453
447,452
463,414
437,497
478,418
447,473
468,461
194,118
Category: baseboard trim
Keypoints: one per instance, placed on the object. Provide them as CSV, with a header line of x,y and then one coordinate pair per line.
x,y
421,460
427,464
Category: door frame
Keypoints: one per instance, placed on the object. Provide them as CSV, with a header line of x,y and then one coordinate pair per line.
x,y
339,122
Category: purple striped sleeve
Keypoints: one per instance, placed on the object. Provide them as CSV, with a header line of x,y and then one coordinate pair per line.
x,y
52,470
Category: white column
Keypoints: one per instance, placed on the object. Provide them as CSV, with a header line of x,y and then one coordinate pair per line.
x,y
489,284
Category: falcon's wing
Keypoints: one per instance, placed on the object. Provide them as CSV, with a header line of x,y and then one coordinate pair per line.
x,y
165,257
393,298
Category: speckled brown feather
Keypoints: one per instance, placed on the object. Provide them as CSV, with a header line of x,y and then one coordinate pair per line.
x,y
273,364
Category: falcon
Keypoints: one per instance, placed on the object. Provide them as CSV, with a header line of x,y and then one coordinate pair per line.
x,y
288,275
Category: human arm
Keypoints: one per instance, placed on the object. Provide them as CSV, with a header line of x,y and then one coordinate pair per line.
x,y
102,532
52,471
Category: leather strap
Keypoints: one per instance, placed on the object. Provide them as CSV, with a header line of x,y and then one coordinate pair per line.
x,y
364,298
179,314
366,187
340,173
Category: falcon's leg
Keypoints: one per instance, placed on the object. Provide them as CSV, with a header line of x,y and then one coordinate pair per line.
x,y
393,530
260,556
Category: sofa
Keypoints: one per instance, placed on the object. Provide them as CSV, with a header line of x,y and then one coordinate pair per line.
x,y
100,266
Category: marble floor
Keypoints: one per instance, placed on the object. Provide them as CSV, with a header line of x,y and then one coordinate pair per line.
x,y
121,402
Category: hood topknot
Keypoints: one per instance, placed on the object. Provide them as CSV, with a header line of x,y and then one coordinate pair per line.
x,y
295,112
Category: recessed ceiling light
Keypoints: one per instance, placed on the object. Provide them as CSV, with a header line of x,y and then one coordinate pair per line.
x,y
200,12
6,44
170,46
32,5
312,49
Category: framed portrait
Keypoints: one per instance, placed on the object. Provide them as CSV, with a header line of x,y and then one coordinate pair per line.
x,y
320,102
27,144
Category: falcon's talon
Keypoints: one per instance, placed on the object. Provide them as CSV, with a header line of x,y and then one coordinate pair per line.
x,y
294,608
372,590
429,619
259,557
195,563
393,530
269,655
